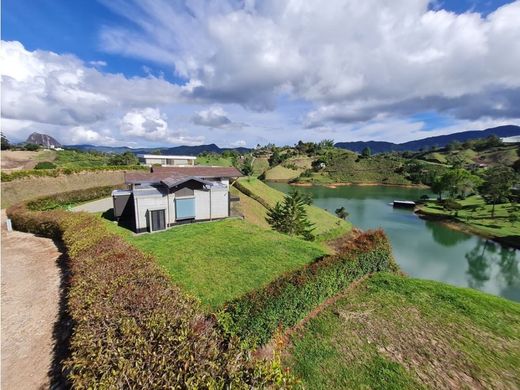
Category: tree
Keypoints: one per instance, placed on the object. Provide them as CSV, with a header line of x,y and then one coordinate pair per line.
x,y
290,216
513,218
326,144
31,147
275,158
454,145
5,143
366,152
342,212
247,166
126,158
497,185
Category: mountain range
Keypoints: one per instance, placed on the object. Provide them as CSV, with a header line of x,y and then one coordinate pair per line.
x,y
426,143
176,150
357,146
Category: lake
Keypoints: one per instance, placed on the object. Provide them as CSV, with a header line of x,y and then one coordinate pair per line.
x,y
424,249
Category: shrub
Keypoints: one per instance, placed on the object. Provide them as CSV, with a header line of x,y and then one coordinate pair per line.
x,y
69,198
132,327
45,165
257,316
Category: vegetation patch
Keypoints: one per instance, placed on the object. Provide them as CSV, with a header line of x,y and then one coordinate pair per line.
x,y
256,316
223,260
281,173
132,327
477,216
393,332
327,226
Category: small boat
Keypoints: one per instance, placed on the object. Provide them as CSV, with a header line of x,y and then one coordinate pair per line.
x,y
404,204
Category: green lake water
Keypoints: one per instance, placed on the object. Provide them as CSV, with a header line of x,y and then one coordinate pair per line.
x,y
425,249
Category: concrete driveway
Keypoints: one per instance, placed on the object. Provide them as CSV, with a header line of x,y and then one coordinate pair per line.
x,y
96,206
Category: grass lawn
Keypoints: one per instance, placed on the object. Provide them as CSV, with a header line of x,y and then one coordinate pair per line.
x,y
218,261
214,161
480,219
327,226
280,172
393,332
260,164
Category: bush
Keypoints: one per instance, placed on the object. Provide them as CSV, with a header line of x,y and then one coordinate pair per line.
x,y
45,165
257,316
69,198
132,327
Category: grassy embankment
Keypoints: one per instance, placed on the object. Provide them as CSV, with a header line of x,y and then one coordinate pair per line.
x,y
497,155
214,160
475,216
343,167
394,332
219,261
327,226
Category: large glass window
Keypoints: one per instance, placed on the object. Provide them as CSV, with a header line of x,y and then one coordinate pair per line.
x,y
185,208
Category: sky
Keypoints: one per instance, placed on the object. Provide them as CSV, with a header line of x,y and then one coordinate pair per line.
x,y
146,73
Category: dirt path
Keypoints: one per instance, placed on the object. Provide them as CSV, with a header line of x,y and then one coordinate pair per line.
x,y
31,280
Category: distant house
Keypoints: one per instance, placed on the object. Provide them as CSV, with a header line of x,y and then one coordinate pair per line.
x,y
166,161
168,196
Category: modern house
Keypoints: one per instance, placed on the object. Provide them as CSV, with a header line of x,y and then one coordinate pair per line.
x,y
166,161
168,196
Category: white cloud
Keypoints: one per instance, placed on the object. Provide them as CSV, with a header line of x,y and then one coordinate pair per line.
x,y
152,125
239,144
48,88
215,117
362,57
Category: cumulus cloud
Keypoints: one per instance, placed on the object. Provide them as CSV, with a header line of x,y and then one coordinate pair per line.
x,y
215,117
45,87
152,125
356,57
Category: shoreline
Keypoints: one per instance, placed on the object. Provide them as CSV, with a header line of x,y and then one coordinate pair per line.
x,y
365,184
457,225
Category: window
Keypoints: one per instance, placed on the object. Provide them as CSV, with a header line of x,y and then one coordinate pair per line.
x,y
184,208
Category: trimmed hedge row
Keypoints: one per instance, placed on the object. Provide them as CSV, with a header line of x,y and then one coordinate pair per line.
x,y
256,316
69,198
132,327
23,174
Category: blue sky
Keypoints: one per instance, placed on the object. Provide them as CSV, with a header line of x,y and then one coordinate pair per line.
x,y
154,72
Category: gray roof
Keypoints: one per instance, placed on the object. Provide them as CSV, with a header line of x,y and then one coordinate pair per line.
x,y
147,191
176,180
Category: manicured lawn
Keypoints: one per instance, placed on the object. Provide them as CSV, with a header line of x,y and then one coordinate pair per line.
x,y
214,161
477,215
218,261
327,225
393,332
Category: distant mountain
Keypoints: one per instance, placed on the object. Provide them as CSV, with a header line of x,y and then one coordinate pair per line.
x,y
44,140
426,143
176,150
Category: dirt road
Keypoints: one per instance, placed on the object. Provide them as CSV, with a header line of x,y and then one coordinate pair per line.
x,y
30,308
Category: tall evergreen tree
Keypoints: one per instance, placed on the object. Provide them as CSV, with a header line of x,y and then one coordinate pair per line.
x,y
290,216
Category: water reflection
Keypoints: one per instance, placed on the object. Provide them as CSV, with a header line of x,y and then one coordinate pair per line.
x,y
488,256
446,237
426,249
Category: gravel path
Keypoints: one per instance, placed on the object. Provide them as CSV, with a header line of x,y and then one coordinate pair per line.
x,y
96,206
30,308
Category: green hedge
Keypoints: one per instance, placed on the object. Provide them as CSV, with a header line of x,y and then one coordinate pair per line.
x,y
251,194
62,200
23,174
257,316
132,328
